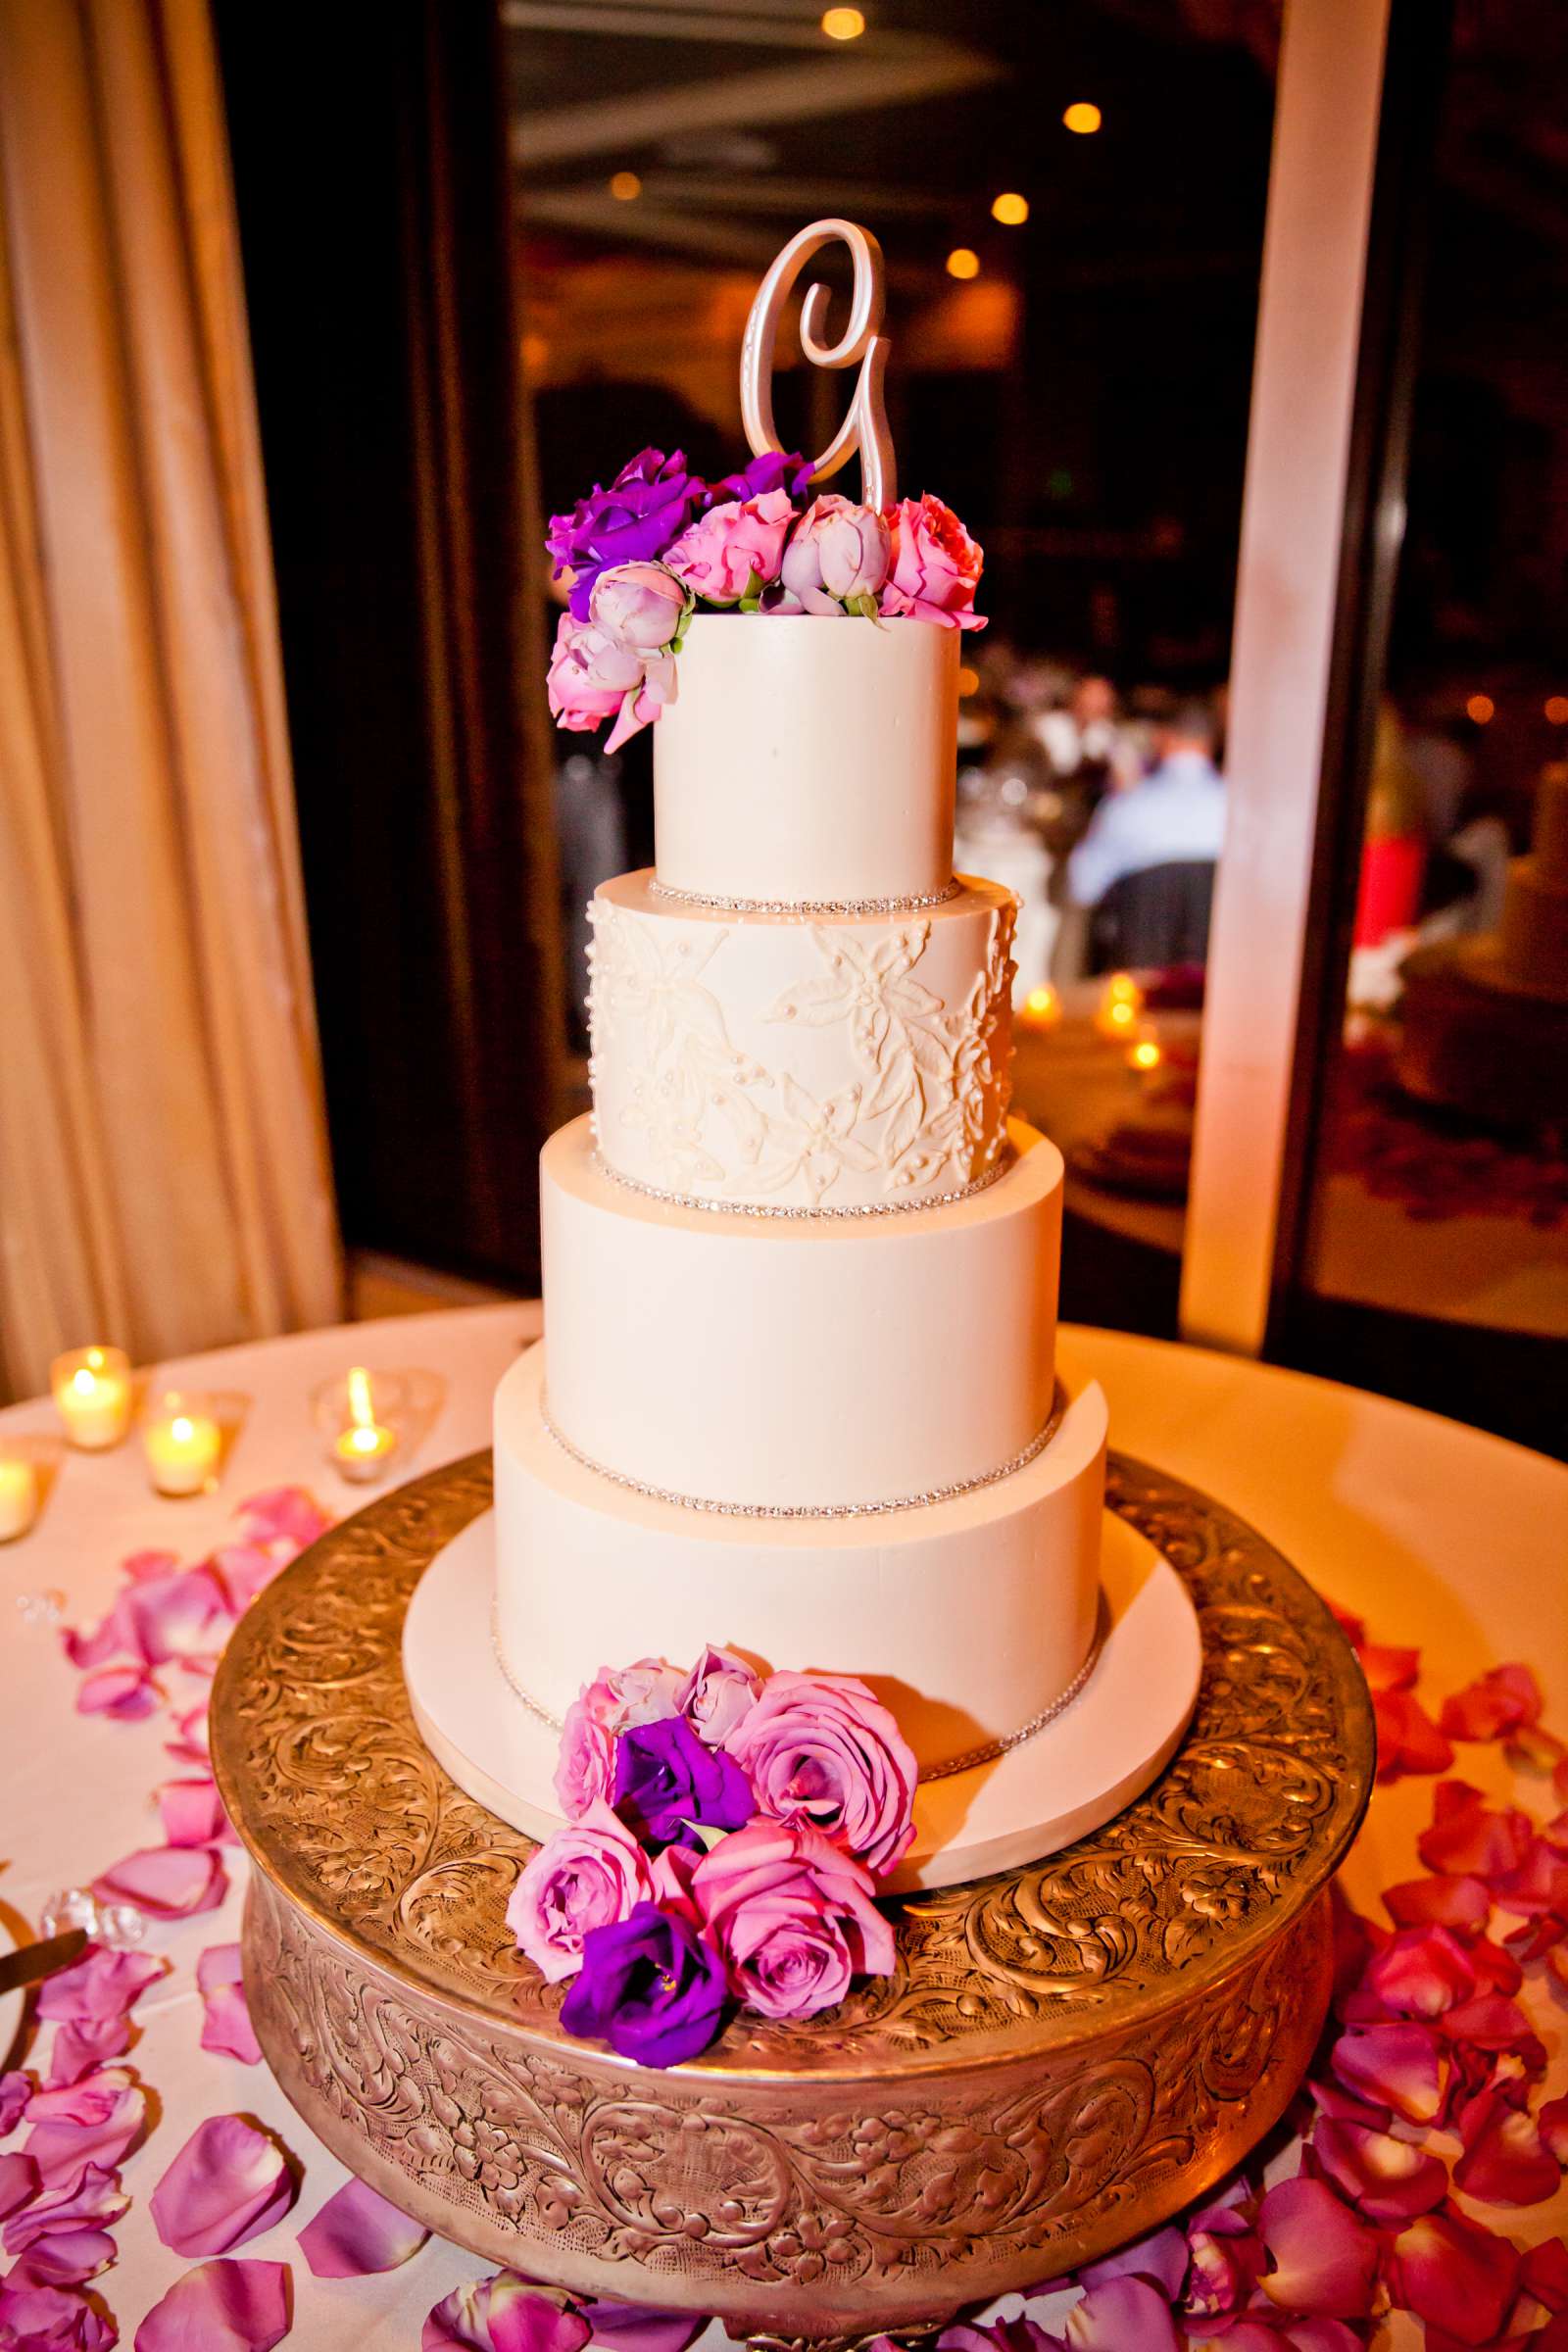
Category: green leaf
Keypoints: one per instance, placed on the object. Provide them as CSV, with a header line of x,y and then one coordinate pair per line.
x,y
710,1836
752,593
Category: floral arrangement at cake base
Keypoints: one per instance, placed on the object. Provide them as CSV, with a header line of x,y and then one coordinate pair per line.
x,y
725,1836
639,557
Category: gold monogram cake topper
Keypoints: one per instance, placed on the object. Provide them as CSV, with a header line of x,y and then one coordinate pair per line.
x,y
865,425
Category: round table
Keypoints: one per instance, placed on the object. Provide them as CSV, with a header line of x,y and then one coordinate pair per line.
x,y
1437,1534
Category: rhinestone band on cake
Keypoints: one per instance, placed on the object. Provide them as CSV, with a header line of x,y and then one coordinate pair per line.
x,y
970,1759
762,1208
727,906
815,1510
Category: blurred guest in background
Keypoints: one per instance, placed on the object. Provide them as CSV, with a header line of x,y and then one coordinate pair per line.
x,y
1146,864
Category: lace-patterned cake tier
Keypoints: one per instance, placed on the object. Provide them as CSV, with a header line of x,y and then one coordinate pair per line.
x,y
842,1063
1066,2053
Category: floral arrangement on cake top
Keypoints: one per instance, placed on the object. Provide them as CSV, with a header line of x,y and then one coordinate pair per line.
x,y
726,1833
641,557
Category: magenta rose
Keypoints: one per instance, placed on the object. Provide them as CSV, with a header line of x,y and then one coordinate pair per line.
x,y
642,605
588,1875
591,675
819,1749
734,550
792,1916
935,566
836,551
718,1690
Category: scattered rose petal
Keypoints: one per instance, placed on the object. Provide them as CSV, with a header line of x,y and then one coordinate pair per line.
x,y
1462,1903
284,1515
166,1882
177,1616
46,2319
245,1570
226,2018
502,2313
140,1567
1451,2272
1552,2122
1388,1669
1498,1702
192,1812
1539,1886
358,2231
15,2090
633,2328
227,2183
94,2199
1387,2180
101,1985
1399,2065
1160,2257
1324,2261
1118,2314
1468,1836
221,2307
67,2257
111,1637
1544,2274
1420,1972
1505,2162
1408,1740
19,2181
191,1747
125,1692
1534,1750
1491,2024
95,2120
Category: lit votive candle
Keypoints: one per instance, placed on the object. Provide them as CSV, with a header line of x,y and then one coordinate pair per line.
x,y
92,1394
1145,1057
182,1444
18,1497
362,1450
1042,1009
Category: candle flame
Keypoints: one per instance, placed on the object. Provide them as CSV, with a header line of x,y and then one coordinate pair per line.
x,y
360,1410
364,1438
83,1380
181,1429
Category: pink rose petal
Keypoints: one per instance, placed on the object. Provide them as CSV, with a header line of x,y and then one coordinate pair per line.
x,y
192,1744
245,1569
1408,1740
127,1692
166,1882
1489,2022
1467,1837
178,1616
100,1984
284,1515
1160,2258
1544,2274
1461,1903
1498,1703
358,2231
1119,2313
67,2258
1223,2270
1386,2180
221,2307
502,2313
1505,2162
226,2018
192,1813
15,2090
141,1567
1539,1886
94,2199
634,2327
111,1637
1453,2274
19,2182
227,2183
46,2319
1324,2261
95,2120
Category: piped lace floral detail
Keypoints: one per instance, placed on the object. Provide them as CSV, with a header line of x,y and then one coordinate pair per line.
x,y
927,1108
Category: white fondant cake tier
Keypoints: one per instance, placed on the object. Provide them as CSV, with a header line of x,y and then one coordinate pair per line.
x,y
831,1064
761,1361
808,758
967,1617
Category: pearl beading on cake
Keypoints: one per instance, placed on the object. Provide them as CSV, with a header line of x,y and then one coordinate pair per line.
x,y
814,1510
774,1208
971,1758
727,906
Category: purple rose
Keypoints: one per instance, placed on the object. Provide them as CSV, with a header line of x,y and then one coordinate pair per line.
x,y
718,1690
819,1749
836,551
649,1987
666,1782
650,502
793,1916
774,470
643,605
585,1877
735,550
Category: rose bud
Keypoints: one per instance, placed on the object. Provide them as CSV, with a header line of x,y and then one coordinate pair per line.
x,y
641,604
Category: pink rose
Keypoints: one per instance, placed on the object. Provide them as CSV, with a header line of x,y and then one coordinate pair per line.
x,y
646,1693
734,548
935,566
792,1916
585,1768
586,1876
642,605
836,551
820,1750
718,1690
591,675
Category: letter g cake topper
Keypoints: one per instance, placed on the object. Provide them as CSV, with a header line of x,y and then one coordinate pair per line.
x,y
865,425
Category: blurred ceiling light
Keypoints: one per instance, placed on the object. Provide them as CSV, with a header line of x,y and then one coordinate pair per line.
x,y
1083,116
624,187
969,683
843,24
1480,707
1011,211
1558,710
963,262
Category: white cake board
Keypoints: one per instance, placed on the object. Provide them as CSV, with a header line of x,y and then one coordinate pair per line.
x,y
1102,1751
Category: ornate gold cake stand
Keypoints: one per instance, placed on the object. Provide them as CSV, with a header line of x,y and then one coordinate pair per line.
x,y
1067,2055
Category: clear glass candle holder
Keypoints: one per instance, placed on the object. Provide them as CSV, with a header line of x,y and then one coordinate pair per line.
x,y
373,1421
182,1440
93,1394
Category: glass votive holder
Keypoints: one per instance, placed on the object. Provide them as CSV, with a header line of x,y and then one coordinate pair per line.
x,y
92,1393
358,1409
182,1440
20,1495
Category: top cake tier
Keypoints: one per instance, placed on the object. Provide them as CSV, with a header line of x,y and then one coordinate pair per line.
x,y
809,761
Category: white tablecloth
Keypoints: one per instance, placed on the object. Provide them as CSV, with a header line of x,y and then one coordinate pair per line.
x,y
1439,1535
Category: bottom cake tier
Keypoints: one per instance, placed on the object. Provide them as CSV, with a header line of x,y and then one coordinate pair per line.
x,y
969,1618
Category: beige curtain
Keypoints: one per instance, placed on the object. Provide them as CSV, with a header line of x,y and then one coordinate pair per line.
x,y
163,1176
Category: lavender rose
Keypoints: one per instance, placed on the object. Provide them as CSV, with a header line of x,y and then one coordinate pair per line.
x,y
643,605
735,550
836,552
820,1750
774,470
592,674
668,1783
650,502
649,1987
935,566
585,1877
718,1690
793,1917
